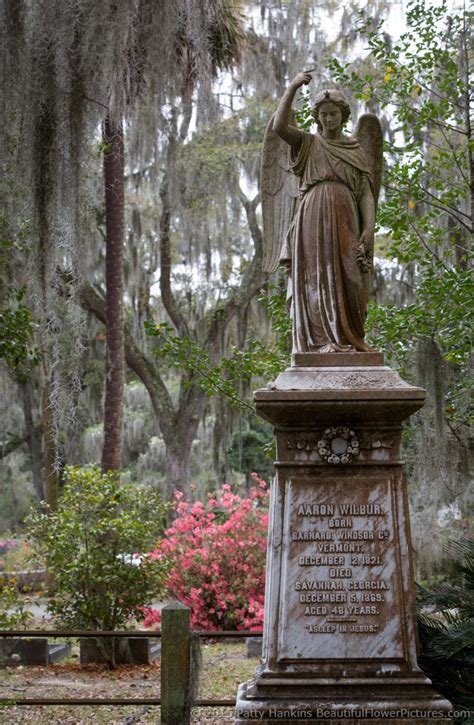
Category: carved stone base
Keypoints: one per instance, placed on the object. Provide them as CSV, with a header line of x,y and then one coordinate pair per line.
x,y
345,701
340,631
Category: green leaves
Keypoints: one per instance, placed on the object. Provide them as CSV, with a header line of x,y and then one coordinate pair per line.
x,y
92,546
442,312
13,611
225,377
304,116
422,83
17,347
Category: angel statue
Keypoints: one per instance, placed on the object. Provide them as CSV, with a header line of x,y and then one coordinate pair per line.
x,y
319,196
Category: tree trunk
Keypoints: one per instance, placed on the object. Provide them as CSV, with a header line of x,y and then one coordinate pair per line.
x,y
115,365
179,439
177,467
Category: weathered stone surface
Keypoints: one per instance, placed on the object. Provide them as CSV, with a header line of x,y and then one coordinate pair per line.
x,y
34,652
360,703
253,646
129,651
23,651
58,651
324,580
341,359
329,395
340,627
325,238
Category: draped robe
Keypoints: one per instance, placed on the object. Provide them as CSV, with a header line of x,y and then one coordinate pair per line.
x,y
327,290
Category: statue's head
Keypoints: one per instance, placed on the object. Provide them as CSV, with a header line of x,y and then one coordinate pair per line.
x,y
331,95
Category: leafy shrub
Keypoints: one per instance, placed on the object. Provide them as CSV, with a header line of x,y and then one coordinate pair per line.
x,y
89,545
13,606
218,554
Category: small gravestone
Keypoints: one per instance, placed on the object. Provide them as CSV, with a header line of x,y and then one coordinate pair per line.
x,y
58,651
31,652
253,646
129,651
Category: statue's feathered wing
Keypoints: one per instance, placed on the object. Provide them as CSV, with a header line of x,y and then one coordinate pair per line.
x,y
369,134
279,191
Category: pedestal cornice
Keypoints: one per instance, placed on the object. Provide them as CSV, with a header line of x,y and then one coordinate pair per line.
x,y
334,393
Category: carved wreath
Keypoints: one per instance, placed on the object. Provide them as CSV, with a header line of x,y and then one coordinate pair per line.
x,y
325,449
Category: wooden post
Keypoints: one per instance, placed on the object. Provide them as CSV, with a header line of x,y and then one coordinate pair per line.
x,y
175,665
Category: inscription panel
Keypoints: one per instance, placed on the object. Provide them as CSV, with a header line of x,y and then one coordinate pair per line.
x,y
340,593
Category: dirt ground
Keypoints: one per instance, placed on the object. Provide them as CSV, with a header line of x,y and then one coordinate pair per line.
x,y
224,667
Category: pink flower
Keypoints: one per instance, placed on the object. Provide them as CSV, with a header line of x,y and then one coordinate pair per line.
x,y
219,561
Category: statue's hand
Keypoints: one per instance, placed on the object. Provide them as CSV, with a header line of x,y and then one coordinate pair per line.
x,y
363,256
367,238
302,79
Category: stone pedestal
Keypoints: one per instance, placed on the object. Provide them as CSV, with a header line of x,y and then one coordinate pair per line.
x,y
340,641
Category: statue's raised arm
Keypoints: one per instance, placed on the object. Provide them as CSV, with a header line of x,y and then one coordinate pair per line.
x,y
279,187
328,234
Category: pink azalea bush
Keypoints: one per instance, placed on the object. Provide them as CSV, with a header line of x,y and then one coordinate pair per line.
x,y
218,554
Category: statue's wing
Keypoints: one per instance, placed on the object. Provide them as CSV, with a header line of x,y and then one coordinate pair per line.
x,y
370,136
279,189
